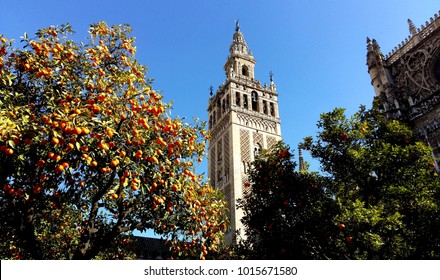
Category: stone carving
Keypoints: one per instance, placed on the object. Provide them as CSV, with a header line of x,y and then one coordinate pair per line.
x,y
407,81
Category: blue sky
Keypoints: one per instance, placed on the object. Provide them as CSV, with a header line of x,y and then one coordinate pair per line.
x,y
316,49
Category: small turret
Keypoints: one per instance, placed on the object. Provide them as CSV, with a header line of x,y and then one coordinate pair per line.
x,y
412,28
272,84
376,67
301,161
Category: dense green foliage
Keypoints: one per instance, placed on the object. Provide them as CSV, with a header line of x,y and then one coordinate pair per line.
x,y
288,214
378,196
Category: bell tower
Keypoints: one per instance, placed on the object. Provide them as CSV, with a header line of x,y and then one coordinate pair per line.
x,y
243,119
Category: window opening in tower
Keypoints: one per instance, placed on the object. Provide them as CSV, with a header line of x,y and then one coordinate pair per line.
x,y
254,101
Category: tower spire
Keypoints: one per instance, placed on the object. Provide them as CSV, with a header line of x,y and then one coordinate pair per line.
x,y
240,60
412,28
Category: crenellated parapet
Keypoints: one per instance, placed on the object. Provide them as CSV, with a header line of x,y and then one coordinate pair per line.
x,y
407,80
416,36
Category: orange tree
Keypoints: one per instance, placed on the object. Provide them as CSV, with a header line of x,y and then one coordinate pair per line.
x,y
384,183
89,153
288,214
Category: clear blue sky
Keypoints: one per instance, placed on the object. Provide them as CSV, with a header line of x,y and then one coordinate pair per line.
x,y
316,49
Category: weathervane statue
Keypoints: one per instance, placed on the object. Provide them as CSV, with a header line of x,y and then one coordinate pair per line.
x,y
237,25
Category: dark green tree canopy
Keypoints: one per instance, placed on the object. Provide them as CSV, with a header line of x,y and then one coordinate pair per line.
x,y
377,198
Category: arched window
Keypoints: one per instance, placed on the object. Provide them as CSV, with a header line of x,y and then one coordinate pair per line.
x,y
264,107
272,109
254,97
245,101
245,71
257,150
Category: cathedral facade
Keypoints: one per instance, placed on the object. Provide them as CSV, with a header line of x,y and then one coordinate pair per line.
x,y
243,119
407,80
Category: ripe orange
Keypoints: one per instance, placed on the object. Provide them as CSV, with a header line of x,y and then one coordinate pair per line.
x,y
85,130
138,154
103,146
153,159
19,192
59,168
77,130
175,188
109,132
114,163
9,151
105,169
36,189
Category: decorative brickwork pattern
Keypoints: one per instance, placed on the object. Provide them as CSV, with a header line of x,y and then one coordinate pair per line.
x,y
258,138
219,178
229,198
245,149
226,159
212,162
270,141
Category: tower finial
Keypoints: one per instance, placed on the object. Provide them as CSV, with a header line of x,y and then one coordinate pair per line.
x,y
237,25
412,28
271,76
210,90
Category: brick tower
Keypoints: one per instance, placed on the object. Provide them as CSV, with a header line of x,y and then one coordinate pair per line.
x,y
243,119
